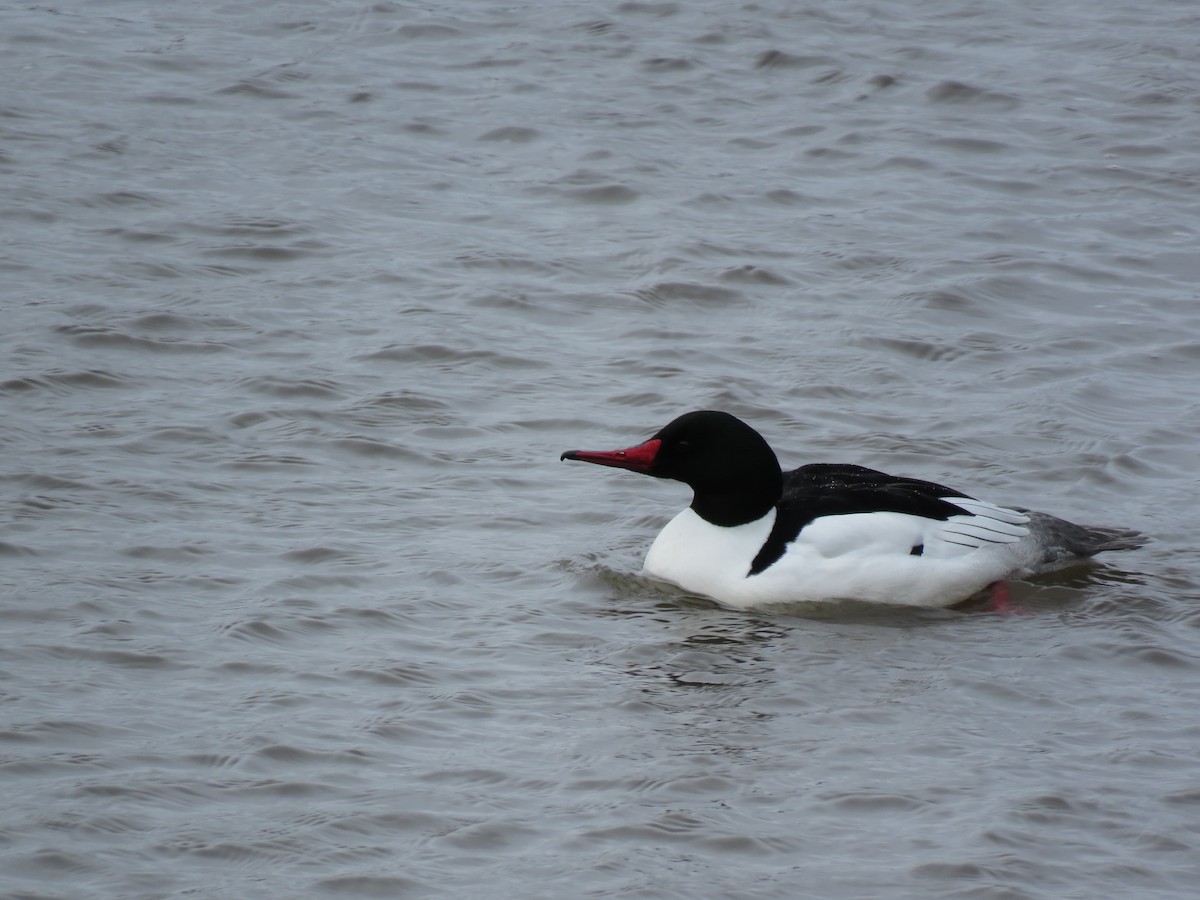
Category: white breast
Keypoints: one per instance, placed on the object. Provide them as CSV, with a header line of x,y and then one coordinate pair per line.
x,y
704,558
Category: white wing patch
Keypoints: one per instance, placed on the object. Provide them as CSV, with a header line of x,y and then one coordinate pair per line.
x,y
985,524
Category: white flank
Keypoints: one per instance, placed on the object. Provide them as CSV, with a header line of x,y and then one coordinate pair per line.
x,y
871,557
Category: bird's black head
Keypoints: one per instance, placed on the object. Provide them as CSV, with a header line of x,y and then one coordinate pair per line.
x,y
733,472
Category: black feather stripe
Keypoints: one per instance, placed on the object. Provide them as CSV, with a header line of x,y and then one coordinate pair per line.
x,y
829,489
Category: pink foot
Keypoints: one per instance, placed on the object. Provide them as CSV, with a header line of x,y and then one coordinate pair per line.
x,y
1000,600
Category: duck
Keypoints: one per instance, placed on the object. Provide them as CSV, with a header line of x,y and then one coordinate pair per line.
x,y
755,536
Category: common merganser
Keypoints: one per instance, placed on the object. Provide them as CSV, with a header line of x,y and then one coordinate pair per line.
x,y
756,536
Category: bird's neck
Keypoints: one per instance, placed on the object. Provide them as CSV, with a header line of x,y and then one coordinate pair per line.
x,y
740,502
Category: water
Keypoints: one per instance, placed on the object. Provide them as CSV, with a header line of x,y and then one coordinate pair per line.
x,y
302,302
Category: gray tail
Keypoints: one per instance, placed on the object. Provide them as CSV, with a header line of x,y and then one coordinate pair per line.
x,y
1062,542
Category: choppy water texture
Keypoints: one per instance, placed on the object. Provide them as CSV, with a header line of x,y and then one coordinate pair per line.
x,y
302,300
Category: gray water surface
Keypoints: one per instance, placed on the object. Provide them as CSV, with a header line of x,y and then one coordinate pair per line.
x,y
303,300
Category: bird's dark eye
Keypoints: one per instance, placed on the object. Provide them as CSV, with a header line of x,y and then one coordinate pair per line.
x,y
684,446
